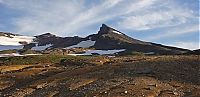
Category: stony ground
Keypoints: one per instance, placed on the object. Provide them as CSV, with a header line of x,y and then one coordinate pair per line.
x,y
133,76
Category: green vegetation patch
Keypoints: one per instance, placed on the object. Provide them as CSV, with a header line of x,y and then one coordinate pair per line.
x,y
36,59
129,52
8,51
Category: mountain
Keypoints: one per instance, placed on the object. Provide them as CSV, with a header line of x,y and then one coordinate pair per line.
x,y
107,38
54,41
197,52
193,52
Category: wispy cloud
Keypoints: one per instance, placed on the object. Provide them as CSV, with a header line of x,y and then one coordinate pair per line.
x,y
187,29
90,16
71,17
1,1
153,20
157,15
47,17
187,45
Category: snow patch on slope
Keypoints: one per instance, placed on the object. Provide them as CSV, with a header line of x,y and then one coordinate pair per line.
x,y
39,48
17,54
100,52
83,44
10,47
14,40
117,32
10,55
149,53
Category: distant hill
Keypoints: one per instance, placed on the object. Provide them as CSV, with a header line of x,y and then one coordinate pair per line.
x,y
194,52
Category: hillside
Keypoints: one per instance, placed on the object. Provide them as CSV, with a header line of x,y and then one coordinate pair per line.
x,y
68,76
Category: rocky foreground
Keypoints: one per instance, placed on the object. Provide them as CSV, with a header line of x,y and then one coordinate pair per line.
x,y
133,76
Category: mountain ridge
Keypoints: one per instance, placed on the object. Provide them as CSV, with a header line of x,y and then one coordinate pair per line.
x,y
107,38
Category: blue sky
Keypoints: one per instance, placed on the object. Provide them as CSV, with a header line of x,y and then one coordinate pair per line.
x,y
170,22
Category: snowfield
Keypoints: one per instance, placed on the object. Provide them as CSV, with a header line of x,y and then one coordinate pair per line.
x,y
83,44
17,54
100,52
116,32
39,48
10,47
149,53
9,55
14,40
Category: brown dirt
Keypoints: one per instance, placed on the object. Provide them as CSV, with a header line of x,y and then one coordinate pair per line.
x,y
133,76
